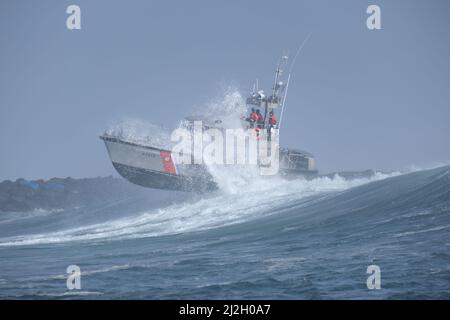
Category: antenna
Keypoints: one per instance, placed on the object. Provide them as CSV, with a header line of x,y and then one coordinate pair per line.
x,y
284,100
300,48
289,76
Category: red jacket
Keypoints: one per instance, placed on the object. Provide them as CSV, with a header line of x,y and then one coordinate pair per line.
x,y
273,120
260,118
254,116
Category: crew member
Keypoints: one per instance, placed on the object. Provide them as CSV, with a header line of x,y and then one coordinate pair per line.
x,y
253,118
272,123
259,119
272,119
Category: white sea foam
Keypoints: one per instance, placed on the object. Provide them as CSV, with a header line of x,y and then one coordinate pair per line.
x,y
138,131
230,107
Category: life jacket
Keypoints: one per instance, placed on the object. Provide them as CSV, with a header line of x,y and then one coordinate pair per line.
x,y
254,116
260,118
272,120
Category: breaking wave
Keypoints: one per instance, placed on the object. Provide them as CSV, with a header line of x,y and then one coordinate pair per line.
x,y
234,206
271,239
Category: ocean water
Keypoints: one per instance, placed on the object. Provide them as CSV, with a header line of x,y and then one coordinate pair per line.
x,y
256,238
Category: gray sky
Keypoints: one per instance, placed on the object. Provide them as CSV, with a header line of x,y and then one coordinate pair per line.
x,y
358,99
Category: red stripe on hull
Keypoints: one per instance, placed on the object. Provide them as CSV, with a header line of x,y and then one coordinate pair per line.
x,y
169,166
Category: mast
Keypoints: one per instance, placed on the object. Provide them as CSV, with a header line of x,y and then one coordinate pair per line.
x,y
278,95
